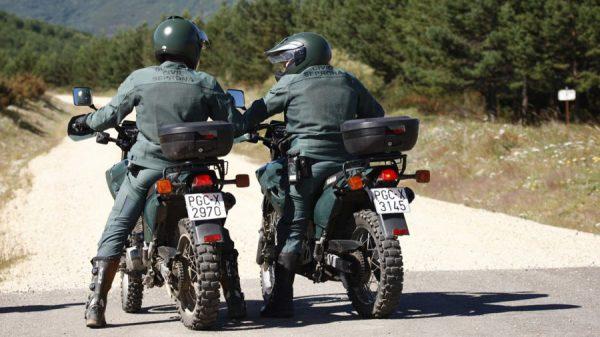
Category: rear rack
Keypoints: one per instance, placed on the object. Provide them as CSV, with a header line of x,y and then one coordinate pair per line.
x,y
219,165
396,159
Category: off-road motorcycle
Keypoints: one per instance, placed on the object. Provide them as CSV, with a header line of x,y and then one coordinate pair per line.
x,y
179,241
353,236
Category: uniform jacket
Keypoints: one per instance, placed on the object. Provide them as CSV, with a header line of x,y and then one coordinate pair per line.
x,y
315,104
166,94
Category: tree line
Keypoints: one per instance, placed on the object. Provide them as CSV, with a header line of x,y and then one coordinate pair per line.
x,y
510,57
514,55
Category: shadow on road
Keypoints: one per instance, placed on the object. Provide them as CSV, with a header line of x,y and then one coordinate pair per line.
x,y
328,308
441,304
37,307
323,309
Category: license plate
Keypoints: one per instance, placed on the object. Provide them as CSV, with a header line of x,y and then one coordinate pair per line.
x,y
390,200
205,206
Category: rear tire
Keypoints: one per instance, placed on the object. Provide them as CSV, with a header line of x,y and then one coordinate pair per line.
x,y
379,264
198,288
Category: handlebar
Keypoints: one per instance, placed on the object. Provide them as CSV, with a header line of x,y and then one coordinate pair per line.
x,y
127,135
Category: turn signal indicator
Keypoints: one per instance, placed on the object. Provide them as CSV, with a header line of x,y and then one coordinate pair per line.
x,y
422,176
164,186
355,183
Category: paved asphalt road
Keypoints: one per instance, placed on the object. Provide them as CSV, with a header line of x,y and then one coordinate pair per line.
x,y
541,302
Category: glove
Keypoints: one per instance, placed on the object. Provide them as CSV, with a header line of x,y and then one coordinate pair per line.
x,y
78,127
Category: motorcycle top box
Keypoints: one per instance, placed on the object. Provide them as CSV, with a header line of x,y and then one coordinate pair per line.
x,y
198,140
372,136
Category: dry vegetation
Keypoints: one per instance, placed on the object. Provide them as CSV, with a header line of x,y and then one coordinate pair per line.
x,y
26,131
548,173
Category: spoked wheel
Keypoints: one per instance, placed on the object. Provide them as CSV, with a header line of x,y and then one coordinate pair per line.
x,y
266,251
132,288
198,285
376,287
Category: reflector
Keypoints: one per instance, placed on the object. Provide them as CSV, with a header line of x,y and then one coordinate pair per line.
x,y
397,131
212,238
398,231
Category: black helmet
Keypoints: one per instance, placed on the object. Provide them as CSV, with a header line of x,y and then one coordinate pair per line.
x,y
300,51
178,39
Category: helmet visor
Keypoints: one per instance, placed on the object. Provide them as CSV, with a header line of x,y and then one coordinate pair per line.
x,y
203,38
282,57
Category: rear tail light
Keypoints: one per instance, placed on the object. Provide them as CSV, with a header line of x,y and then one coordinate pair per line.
x,y
202,180
422,176
164,186
388,174
212,238
355,183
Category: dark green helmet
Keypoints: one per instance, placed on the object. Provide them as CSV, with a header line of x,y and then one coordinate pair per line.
x,y
300,51
178,39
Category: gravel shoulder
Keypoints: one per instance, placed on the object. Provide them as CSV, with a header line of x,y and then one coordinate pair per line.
x,y
58,221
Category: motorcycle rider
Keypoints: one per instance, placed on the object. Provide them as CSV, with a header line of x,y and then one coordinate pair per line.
x,y
316,99
172,92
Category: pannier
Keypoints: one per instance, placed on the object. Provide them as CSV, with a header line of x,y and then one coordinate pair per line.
x,y
372,136
197,140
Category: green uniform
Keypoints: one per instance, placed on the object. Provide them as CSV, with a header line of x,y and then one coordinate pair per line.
x,y
166,94
315,103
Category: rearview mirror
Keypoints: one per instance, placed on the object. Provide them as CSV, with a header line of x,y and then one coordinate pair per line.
x,y
238,98
82,96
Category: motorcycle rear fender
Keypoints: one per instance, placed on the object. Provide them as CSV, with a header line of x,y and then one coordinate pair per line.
x,y
115,176
392,225
203,229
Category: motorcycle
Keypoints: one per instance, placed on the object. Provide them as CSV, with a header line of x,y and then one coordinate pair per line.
x,y
353,236
179,240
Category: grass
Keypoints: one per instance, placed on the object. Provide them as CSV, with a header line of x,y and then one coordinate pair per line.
x,y
26,133
546,173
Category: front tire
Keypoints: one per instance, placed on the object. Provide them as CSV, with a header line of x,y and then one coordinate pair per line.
x,y
198,285
132,288
132,292
266,254
376,288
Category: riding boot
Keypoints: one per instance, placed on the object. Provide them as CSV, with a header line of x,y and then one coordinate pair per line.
x,y
280,304
103,273
236,305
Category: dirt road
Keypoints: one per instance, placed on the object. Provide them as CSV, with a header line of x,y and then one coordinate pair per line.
x,y
59,220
